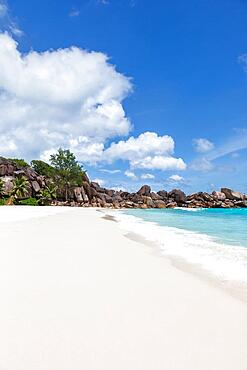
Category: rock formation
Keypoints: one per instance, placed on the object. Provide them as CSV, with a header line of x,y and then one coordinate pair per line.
x,y
91,194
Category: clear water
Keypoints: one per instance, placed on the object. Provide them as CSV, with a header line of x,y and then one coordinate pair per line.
x,y
227,225
213,239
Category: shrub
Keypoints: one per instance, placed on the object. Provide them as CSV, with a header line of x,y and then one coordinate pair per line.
x,y
1,187
47,194
43,168
29,202
2,202
21,188
19,162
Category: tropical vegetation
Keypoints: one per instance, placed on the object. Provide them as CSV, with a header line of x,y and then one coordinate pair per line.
x,y
61,174
21,188
47,194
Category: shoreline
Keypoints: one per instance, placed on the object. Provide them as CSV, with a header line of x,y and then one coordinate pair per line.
x,y
236,289
77,291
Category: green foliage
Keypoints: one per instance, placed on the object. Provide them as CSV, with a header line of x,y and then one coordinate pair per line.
x,y
29,202
1,187
69,171
20,188
43,168
47,194
19,162
2,202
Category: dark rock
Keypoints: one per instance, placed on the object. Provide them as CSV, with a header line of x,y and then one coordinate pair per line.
x,y
145,190
85,177
6,169
163,194
94,185
178,195
156,196
42,181
84,195
110,192
171,205
35,186
207,197
149,202
241,203
124,195
143,206
30,173
232,195
90,191
7,184
218,195
136,198
159,204
78,195
117,198
129,204
108,198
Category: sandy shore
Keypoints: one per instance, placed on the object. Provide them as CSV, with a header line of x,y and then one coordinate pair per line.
x,y
76,293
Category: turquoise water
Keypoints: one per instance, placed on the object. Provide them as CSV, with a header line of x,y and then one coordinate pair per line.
x,y
228,226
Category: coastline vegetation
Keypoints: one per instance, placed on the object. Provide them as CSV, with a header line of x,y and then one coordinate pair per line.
x,y
63,172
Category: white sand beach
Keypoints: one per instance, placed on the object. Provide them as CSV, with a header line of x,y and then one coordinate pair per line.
x,y
76,293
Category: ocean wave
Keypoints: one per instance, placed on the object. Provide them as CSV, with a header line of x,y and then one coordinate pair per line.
x,y
227,262
190,209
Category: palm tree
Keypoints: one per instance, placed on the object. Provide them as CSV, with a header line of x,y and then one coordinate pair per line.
x,y
21,188
47,194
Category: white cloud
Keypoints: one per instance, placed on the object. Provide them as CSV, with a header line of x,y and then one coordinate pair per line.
x,y
7,145
147,151
202,164
3,10
236,142
159,163
6,20
101,182
203,145
15,30
147,176
66,97
176,178
145,144
74,13
72,98
131,175
109,171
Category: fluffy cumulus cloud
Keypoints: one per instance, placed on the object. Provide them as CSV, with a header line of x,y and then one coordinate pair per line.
x,y
72,98
176,178
67,97
147,151
159,162
203,145
131,175
147,176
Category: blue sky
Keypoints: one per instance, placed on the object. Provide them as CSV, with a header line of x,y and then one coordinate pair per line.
x,y
181,76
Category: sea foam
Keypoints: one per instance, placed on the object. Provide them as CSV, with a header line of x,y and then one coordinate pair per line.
x,y
227,262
